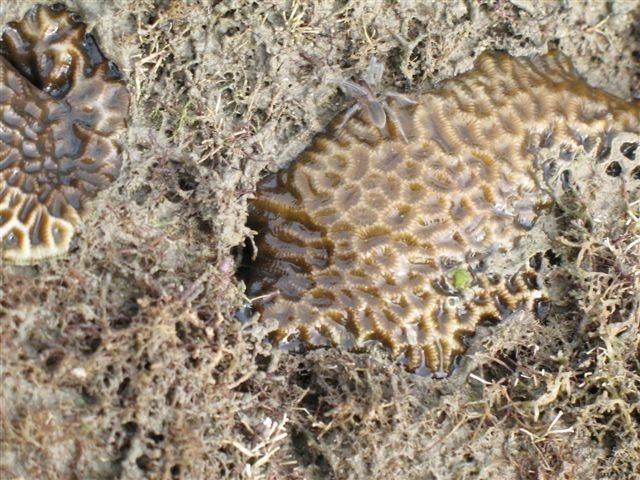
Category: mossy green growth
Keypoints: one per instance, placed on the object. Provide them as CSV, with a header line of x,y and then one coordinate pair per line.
x,y
461,278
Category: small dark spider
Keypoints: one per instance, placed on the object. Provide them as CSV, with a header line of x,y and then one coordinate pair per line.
x,y
366,93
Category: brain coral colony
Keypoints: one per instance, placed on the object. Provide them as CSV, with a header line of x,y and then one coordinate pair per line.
x,y
379,232
61,103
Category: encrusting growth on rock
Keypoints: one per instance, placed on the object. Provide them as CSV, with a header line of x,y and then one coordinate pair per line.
x,y
368,237
62,103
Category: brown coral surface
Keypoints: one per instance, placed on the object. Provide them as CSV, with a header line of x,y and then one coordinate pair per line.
x,y
359,239
61,105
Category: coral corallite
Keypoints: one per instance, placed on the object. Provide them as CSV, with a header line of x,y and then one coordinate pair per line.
x,y
62,104
371,238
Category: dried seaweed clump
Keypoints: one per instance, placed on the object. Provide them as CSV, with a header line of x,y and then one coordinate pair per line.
x,y
368,237
61,105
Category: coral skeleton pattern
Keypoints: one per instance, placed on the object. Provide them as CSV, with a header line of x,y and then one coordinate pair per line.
x,y
62,104
364,237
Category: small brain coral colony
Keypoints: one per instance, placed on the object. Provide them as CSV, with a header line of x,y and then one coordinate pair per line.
x,y
61,105
380,231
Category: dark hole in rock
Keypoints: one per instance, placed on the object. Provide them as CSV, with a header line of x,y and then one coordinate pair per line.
x,y
187,183
628,149
143,462
554,258
535,262
122,388
156,437
130,428
614,169
91,344
54,360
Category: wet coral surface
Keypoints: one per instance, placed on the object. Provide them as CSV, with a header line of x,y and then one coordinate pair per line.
x,y
356,238
61,105
124,359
